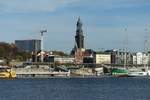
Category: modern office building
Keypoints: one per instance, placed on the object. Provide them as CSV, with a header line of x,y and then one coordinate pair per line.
x,y
32,45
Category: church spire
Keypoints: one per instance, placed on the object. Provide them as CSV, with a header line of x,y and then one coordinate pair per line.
x,y
79,38
79,27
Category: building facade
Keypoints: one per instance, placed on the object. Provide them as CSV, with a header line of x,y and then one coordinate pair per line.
x,y
140,58
124,58
59,59
88,56
33,45
113,53
134,59
102,58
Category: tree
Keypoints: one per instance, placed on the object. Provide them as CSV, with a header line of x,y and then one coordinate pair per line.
x,y
10,51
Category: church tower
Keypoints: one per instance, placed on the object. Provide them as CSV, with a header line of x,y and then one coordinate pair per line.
x,y
79,38
78,50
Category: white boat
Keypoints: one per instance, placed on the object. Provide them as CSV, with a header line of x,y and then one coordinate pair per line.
x,y
136,73
148,72
99,71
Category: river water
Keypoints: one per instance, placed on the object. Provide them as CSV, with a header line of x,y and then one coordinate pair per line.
x,y
106,88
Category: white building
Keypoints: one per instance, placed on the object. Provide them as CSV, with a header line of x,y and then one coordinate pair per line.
x,y
102,58
134,59
140,58
122,57
145,58
62,59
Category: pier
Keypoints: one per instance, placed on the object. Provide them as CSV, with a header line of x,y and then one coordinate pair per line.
x,y
39,73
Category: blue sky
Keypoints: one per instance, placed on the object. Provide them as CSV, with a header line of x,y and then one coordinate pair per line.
x,y
104,22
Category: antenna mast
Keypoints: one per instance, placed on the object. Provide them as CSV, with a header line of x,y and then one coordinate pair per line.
x,y
146,49
125,48
146,42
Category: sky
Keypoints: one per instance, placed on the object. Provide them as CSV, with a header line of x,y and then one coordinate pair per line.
x,y
104,22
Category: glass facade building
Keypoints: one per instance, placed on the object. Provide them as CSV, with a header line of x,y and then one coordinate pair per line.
x,y
33,45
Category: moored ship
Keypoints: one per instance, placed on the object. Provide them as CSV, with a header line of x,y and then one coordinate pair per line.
x,y
119,72
138,72
7,73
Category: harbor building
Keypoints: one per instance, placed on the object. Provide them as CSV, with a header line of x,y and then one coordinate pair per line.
x,y
148,58
61,59
140,58
102,58
134,59
145,58
113,53
32,45
120,57
88,56
124,58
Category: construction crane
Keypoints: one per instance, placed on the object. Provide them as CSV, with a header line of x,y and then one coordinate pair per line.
x,y
42,47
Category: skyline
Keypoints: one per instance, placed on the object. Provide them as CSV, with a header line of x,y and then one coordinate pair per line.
x,y
103,21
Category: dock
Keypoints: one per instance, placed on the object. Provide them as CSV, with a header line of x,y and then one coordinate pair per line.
x,y
39,73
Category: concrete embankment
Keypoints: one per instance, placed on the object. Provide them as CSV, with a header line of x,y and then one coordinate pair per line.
x,y
83,71
38,73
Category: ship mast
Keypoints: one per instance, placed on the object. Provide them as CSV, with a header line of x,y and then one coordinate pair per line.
x,y
125,48
146,49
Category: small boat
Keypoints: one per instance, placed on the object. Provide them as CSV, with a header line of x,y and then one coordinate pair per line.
x,y
7,73
99,71
119,72
137,73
